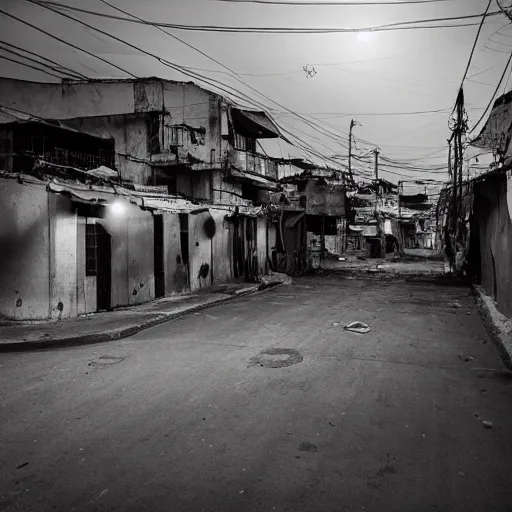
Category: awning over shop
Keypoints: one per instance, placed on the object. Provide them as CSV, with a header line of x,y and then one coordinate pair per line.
x,y
253,179
103,172
83,193
94,194
497,130
256,125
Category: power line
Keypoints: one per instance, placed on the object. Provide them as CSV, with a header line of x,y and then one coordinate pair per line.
x,y
186,72
66,42
181,69
30,66
409,169
174,37
326,3
59,67
402,25
317,64
225,67
347,114
493,96
474,44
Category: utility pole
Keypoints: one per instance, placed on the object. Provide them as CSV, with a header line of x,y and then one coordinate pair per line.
x,y
352,124
398,199
376,152
460,122
380,220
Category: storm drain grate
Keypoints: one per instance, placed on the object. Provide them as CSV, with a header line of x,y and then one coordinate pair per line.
x,y
276,358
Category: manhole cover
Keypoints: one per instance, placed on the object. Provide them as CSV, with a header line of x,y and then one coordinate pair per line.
x,y
106,361
276,358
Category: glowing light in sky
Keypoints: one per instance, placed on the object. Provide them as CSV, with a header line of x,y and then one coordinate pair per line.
x,y
364,37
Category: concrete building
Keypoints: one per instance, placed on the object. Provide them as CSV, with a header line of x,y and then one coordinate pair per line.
x,y
478,241
189,158
320,195
374,219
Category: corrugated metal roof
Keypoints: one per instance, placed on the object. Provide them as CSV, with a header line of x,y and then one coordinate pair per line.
x,y
255,124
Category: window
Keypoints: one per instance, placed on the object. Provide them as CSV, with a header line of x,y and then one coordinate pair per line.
x,y
90,250
177,135
301,186
250,144
154,133
240,142
244,143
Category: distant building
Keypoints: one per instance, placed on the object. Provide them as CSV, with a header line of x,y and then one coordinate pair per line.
x,y
320,195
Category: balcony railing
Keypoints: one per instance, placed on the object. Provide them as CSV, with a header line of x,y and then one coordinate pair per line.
x,y
254,162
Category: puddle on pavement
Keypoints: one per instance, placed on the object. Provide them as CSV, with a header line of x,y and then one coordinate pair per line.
x,y
276,358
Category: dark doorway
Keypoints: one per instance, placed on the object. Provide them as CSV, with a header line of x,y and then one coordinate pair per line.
x,y
98,263
238,247
251,255
245,257
158,224
184,243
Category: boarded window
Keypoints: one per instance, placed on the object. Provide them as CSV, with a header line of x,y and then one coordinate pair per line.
x,y
91,260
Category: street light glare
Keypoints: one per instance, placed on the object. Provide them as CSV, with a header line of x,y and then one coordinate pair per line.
x,y
117,208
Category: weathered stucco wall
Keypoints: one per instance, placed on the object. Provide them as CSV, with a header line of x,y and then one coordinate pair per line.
x,y
64,248
132,255
86,99
131,142
198,109
261,241
24,255
132,263
224,192
141,257
272,237
195,184
493,227
324,199
222,248
200,250
172,249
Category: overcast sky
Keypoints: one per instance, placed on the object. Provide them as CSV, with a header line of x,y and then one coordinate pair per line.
x,y
385,72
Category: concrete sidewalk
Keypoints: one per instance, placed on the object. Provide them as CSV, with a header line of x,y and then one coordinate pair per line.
x,y
112,325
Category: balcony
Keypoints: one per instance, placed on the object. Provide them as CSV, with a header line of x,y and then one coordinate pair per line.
x,y
247,161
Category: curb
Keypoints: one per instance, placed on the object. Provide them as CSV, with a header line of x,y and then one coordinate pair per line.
x,y
495,323
93,338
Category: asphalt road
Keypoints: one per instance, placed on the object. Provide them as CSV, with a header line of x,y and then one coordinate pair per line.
x,y
180,418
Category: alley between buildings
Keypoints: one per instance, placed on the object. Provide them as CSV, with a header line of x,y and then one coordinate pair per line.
x,y
192,415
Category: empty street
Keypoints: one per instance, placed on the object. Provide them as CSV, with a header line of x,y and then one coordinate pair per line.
x,y
192,416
